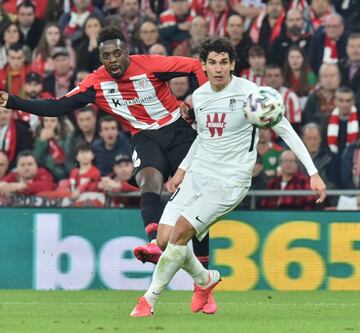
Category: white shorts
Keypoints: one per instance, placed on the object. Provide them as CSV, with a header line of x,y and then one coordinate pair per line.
x,y
202,200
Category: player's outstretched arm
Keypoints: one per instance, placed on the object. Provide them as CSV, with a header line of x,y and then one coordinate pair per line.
x,y
4,96
318,185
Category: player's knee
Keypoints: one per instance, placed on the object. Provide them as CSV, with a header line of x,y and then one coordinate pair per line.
x,y
150,180
161,242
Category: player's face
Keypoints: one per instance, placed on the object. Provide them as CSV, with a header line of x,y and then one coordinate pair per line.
x,y
218,68
115,57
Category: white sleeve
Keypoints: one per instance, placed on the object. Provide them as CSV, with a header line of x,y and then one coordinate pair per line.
x,y
184,165
287,133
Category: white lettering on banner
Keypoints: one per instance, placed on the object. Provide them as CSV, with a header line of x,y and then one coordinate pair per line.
x,y
49,247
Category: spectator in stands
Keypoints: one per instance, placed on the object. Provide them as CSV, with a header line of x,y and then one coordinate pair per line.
x,y
322,100
343,124
51,37
325,161
316,14
30,26
12,76
112,142
148,35
4,19
350,11
269,24
328,44
295,35
80,75
290,179
28,178
350,166
274,78
158,49
153,8
269,152
240,41
180,87
175,23
128,19
52,145
72,22
257,61
87,50
61,80
298,75
350,65
4,164
198,32
14,136
10,35
248,9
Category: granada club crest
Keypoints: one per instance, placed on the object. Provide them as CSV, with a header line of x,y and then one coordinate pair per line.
x,y
216,124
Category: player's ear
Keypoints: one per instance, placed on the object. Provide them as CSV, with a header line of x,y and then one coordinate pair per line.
x,y
203,65
232,65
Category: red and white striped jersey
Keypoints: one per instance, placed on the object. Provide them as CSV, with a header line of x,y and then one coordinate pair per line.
x,y
292,105
249,74
139,100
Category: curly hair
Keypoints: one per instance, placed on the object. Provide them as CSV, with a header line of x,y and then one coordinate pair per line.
x,y
218,45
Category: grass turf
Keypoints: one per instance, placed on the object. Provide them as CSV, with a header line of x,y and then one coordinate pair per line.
x,y
108,311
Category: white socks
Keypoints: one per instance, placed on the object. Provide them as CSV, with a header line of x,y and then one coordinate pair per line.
x,y
193,266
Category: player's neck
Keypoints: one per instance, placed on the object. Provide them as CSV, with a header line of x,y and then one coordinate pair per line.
x,y
219,87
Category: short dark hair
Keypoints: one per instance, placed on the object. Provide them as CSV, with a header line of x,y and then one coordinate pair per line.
x,y
345,90
256,51
26,153
27,4
86,108
109,33
218,45
16,47
107,119
83,146
274,66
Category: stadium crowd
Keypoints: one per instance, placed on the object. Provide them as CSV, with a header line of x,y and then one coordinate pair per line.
x,y
307,50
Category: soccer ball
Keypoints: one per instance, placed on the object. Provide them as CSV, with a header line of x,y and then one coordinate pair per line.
x,y
264,107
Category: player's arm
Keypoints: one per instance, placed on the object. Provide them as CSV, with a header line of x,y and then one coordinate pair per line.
x,y
288,134
75,99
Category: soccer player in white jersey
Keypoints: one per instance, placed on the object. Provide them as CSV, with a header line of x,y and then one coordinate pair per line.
x,y
215,175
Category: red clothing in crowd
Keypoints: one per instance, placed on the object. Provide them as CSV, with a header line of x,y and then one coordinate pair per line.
x,y
86,182
10,7
43,181
13,81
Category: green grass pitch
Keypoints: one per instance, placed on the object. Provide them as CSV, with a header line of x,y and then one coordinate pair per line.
x,y
108,311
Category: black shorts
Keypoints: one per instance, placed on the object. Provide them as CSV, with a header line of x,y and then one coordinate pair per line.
x,y
164,148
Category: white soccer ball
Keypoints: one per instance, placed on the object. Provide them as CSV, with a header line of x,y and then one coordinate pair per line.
x,y
264,107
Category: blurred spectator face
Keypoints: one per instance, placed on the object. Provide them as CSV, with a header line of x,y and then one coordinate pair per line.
x,y
329,77
26,16
50,122
159,49
4,164
52,35
33,89
62,64
274,8
81,5
180,7
149,33
130,8
295,60
123,170
235,27
320,7
334,27
218,6
85,157
198,28
264,135
5,115
353,49
86,121
27,167
16,59
294,22
92,27
344,101
179,86
288,163
11,34
312,140
80,75
273,78
109,132
257,63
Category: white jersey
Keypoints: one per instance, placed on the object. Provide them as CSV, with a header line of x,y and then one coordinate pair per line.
x,y
225,147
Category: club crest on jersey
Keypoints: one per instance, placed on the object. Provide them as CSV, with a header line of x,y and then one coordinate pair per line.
x,y
141,83
232,105
217,124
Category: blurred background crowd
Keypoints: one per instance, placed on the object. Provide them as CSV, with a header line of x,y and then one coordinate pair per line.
x,y
309,50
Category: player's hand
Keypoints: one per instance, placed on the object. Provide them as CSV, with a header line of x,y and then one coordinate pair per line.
x,y
317,185
4,96
175,181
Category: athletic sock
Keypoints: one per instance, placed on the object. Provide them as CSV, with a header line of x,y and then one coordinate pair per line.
x,y
169,263
201,250
194,267
151,210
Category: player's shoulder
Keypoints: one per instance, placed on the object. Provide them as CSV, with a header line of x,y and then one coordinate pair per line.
x,y
244,84
95,76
